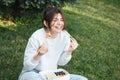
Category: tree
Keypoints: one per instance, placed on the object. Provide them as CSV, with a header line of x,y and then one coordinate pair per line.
x,y
14,7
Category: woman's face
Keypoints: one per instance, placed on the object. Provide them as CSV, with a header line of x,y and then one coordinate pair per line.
x,y
57,24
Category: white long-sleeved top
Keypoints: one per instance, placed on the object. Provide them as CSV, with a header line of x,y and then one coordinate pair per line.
x,y
55,56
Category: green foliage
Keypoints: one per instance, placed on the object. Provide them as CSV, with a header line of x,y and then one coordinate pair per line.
x,y
13,8
38,4
6,2
95,25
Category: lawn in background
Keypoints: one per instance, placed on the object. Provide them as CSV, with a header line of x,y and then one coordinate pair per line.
x,y
93,23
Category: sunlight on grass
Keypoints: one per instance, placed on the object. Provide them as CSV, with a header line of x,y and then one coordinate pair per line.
x,y
71,8
8,24
96,27
96,13
93,23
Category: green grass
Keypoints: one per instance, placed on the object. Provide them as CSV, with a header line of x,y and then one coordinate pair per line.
x,y
95,25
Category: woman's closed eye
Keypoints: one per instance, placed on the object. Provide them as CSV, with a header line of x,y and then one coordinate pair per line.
x,y
54,20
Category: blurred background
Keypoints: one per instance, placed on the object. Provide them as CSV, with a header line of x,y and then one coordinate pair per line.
x,y
95,24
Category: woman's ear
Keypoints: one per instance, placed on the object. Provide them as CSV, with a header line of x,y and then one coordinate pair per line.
x,y
45,23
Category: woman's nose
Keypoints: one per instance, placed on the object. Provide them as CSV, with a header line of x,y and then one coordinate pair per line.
x,y
58,22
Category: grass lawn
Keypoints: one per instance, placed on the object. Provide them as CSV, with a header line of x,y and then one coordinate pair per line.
x,y
94,23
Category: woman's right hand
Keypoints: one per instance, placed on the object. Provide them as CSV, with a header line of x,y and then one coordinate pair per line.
x,y
42,49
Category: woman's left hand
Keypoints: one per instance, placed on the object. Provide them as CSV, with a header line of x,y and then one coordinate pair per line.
x,y
73,45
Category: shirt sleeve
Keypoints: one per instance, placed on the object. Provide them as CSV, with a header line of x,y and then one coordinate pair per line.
x,y
65,58
31,50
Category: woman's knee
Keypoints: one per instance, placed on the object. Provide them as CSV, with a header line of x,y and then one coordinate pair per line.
x,y
77,77
31,76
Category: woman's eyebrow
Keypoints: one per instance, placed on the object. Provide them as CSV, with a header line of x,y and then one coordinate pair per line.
x,y
56,18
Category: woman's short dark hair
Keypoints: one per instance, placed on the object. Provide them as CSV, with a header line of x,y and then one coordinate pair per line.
x,y
49,14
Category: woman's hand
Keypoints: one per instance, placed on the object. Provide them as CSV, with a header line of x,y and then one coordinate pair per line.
x,y
73,45
42,49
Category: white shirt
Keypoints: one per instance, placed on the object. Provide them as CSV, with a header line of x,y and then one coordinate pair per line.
x,y
55,56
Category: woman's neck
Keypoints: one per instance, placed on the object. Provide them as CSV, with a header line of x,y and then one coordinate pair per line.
x,y
51,34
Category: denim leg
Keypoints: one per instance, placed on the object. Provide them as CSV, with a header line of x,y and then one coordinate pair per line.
x,y
31,76
77,77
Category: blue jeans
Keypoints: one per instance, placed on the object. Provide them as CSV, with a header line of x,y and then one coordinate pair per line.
x,y
35,76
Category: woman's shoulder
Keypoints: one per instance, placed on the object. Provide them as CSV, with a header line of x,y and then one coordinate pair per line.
x,y
65,35
38,33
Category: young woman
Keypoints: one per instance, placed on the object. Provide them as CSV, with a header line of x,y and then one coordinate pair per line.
x,y
48,47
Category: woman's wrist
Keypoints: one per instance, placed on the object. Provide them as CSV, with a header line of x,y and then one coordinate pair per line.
x,y
69,52
39,54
